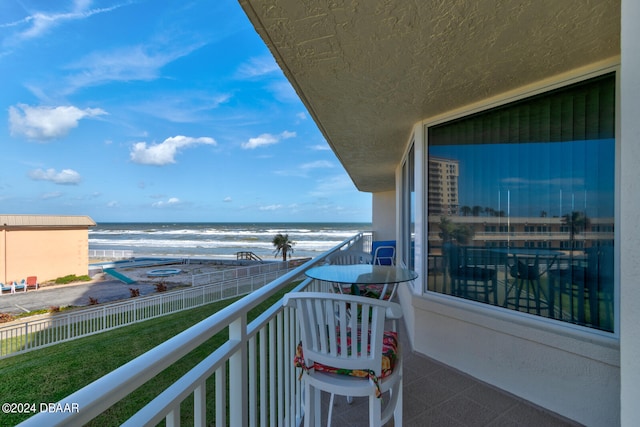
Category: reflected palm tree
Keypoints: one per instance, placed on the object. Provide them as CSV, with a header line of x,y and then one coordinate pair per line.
x,y
452,232
577,222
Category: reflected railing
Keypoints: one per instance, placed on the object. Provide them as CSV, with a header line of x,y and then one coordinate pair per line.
x,y
249,379
571,286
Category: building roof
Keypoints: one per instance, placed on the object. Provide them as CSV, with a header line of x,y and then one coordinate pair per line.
x,y
46,221
369,71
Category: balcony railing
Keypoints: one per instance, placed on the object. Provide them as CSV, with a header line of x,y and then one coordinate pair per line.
x,y
248,380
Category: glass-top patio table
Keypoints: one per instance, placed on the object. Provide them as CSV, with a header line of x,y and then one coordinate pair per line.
x,y
358,275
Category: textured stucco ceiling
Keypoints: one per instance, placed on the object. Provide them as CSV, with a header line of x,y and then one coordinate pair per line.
x,y
368,70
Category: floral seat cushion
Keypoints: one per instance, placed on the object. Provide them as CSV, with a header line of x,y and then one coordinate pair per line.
x,y
372,291
389,359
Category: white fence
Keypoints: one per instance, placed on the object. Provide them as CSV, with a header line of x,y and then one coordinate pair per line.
x,y
257,358
110,253
34,334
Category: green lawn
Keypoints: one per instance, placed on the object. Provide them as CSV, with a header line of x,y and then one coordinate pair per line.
x,y
49,374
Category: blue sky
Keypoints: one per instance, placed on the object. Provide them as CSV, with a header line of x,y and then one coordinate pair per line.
x,y
528,178
148,110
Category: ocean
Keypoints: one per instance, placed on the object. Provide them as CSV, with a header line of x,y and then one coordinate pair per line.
x,y
219,240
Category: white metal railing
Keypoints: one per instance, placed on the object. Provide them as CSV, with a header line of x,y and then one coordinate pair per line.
x,y
237,273
252,369
110,253
33,334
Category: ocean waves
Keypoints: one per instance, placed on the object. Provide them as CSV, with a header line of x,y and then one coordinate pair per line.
x,y
218,239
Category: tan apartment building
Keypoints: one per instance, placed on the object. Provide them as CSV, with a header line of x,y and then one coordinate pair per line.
x,y
46,246
443,186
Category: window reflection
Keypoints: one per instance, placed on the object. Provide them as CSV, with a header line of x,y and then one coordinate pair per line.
x,y
521,205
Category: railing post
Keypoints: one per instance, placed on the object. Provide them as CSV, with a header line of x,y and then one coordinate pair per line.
x,y
238,373
26,335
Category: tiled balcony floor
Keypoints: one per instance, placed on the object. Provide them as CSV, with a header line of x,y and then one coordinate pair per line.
x,y
437,395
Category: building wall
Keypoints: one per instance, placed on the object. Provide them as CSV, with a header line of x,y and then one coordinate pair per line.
x,y
629,159
384,215
567,369
45,253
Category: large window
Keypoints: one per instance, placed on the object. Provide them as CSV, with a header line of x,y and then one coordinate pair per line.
x,y
521,205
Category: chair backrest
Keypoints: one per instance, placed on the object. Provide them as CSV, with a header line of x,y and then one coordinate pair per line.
x,y
32,280
525,268
384,252
342,331
350,257
385,255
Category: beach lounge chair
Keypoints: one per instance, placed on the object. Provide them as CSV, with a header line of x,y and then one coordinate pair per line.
x,y
19,286
4,287
32,282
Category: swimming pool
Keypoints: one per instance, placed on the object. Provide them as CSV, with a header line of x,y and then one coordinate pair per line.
x,y
162,272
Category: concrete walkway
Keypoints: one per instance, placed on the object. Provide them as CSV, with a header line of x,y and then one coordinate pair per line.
x,y
101,288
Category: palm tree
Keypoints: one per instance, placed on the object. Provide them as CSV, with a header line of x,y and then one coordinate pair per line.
x,y
283,245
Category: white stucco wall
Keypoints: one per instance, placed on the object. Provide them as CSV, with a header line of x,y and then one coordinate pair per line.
x,y
630,215
384,215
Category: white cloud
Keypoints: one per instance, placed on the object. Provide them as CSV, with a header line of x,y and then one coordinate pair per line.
x,y
64,177
332,185
270,207
258,67
47,123
113,204
227,199
283,91
266,139
172,201
165,152
319,164
136,63
38,23
320,147
51,195
186,107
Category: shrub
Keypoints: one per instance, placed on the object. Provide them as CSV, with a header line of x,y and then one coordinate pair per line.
x,y
72,278
161,287
134,292
54,309
6,317
93,301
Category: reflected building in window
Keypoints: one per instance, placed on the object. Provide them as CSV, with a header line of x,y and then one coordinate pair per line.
x,y
443,186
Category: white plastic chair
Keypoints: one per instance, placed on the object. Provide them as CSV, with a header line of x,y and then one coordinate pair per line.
x,y
327,325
